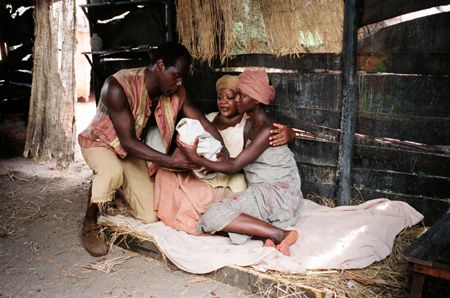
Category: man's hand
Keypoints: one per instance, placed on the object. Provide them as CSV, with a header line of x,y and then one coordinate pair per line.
x,y
180,161
281,135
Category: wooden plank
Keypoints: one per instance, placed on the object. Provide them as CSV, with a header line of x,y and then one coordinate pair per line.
x,y
315,153
143,26
402,183
201,85
404,95
405,63
391,159
433,209
431,271
399,145
426,130
373,157
317,174
324,190
311,119
349,99
417,283
256,283
432,249
429,34
374,11
320,180
303,62
206,106
320,90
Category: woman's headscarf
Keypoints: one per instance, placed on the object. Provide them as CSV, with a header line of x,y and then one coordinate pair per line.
x,y
227,82
255,83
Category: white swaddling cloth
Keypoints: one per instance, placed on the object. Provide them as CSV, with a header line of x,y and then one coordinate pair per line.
x,y
208,146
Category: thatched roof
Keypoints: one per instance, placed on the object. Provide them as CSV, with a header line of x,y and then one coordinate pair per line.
x,y
211,28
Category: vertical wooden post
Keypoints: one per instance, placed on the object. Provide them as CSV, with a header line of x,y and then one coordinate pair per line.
x,y
349,93
51,119
168,20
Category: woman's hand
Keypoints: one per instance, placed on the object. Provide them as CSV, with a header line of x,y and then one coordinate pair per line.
x,y
280,135
190,151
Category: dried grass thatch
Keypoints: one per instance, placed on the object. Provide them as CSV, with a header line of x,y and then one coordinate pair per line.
x,y
211,28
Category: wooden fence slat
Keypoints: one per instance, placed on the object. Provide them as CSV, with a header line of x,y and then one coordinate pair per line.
x,y
432,209
373,157
321,90
317,174
425,130
306,118
404,95
429,34
316,177
389,159
304,62
374,11
405,63
403,183
143,26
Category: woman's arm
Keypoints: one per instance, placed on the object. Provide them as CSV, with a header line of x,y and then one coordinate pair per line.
x,y
233,165
281,135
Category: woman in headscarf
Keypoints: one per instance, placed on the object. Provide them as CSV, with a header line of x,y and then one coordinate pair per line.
x,y
273,199
180,197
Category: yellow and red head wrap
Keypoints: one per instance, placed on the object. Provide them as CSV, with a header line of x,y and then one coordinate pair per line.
x,y
255,83
227,82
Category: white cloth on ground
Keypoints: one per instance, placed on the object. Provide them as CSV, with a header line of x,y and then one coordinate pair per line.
x,y
208,146
344,237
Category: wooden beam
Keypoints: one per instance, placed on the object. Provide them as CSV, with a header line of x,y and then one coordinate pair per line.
x,y
303,62
374,11
349,94
405,63
429,34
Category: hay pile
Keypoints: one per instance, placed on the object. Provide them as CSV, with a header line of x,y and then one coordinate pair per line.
x,y
386,278
211,28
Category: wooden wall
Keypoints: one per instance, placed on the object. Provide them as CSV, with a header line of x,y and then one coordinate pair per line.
x,y
403,120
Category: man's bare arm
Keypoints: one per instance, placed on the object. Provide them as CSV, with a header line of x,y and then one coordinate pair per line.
x,y
120,114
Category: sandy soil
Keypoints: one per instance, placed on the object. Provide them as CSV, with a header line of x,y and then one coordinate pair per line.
x,y
40,251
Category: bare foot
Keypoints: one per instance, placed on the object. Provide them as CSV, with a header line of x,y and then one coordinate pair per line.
x,y
290,238
269,243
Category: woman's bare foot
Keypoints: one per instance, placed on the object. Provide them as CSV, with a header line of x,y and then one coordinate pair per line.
x,y
269,243
290,238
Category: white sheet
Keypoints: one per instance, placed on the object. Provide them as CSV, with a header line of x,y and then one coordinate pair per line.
x,y
330,238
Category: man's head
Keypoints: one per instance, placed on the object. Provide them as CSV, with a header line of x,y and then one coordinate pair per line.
x,y
172,63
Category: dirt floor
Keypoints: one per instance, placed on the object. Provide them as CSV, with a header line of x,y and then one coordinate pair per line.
x,y
41,254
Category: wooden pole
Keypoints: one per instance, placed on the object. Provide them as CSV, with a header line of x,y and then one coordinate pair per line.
x,y
51,119
349,93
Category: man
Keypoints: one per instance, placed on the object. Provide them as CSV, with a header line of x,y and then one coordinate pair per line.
x,y
130,100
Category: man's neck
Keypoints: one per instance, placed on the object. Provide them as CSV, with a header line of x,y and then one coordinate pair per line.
x,y
151,83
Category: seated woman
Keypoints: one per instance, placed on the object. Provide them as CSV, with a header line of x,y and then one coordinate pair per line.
x,y
273,199
180,197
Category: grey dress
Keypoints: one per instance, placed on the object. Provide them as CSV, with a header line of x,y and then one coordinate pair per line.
x,y
273,195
